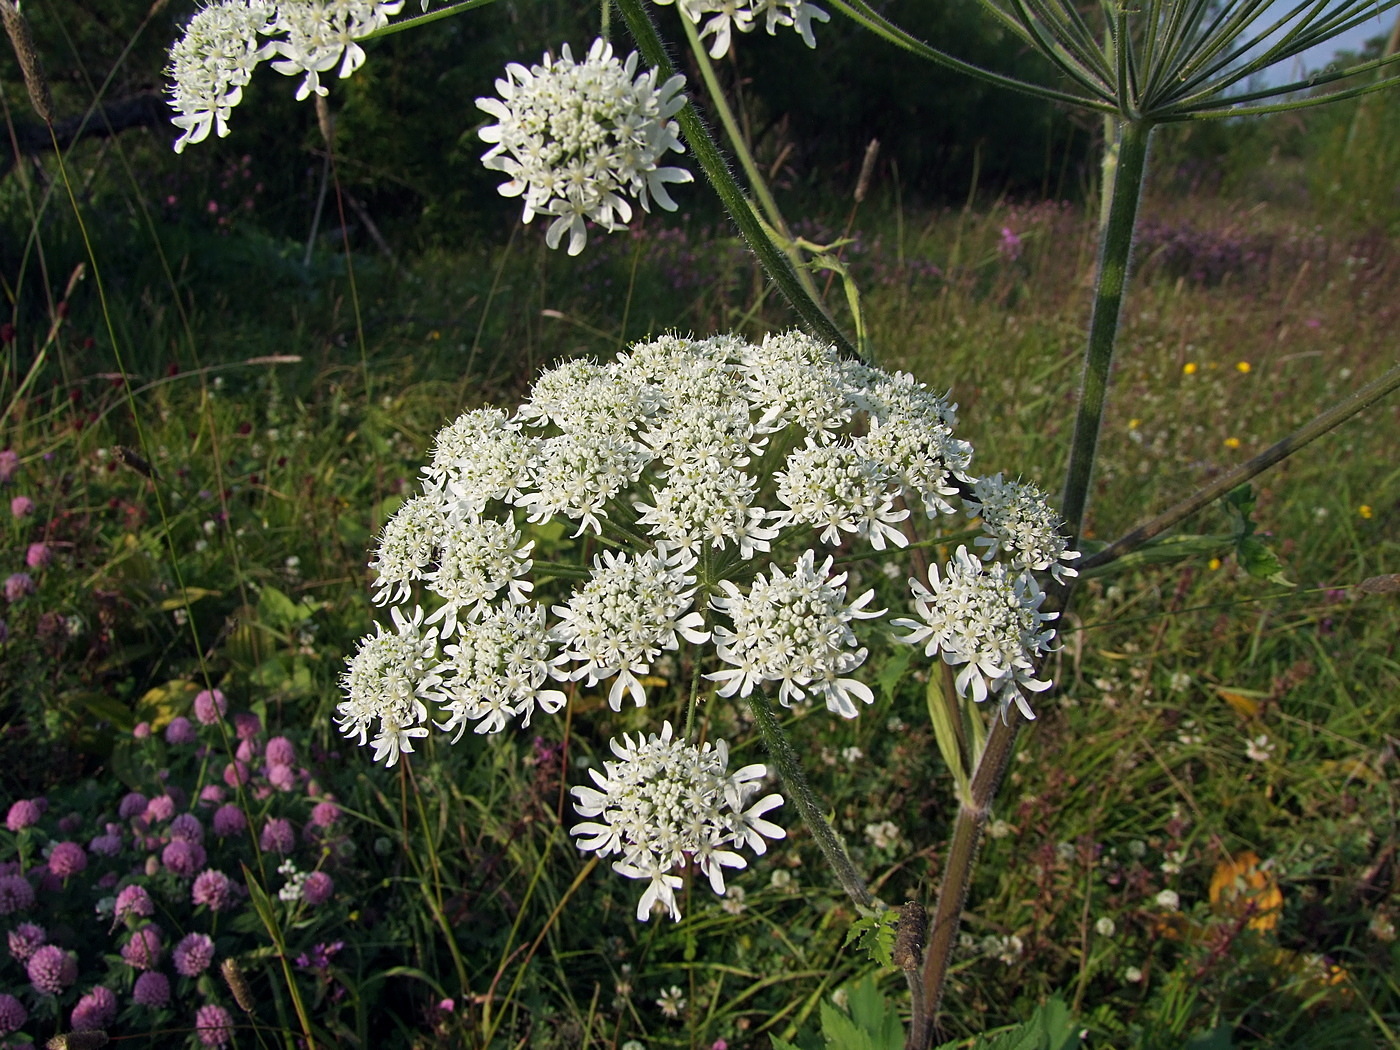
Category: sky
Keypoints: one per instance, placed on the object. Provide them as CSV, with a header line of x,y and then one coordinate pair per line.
x,y
1319,57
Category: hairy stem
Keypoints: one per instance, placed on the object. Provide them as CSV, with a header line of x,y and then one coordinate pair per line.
x,y
813,315
957,871
808,805
1115,246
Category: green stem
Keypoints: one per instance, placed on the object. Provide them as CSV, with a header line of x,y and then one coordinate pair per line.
x,y
808,806
957,872
813,316
1116,241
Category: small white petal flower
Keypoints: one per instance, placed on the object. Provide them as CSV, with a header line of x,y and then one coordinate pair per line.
x,y
725,17
578,138
980,617
664,803
386,680
794,630
212,62
1018,519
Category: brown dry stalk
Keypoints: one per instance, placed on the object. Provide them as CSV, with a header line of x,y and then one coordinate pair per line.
x,y
17,26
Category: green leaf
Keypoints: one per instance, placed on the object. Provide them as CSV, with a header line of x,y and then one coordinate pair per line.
x,y
1216,1039
873,933
1260,562
783,1044
1050,1028
840,1031
893,669
945,732
276,610
873,1014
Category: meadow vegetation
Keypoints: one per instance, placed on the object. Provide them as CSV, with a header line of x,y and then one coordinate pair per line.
x,y
1197,842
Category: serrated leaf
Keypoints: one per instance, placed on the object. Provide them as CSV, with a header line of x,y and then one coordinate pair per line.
x,y
277,610
1259,561
873,1015
783,1044
873,933
840,1031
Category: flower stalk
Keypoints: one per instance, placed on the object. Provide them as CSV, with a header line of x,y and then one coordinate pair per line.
x,y
806,801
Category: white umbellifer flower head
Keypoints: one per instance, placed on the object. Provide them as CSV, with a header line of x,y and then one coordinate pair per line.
x,y
694,497
213,60
665,803
496,671
794,630
211,64
577,139
987,619
625,615
726,16
385,681
1018,519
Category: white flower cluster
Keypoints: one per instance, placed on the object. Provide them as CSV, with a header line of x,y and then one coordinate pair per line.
x,y
697,491
214,59
726,16
666,803
986,618
1018,520
579,138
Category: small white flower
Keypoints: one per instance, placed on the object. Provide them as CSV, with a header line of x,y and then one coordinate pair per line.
x,y
1168,900
385,681
980,616
733,903
1132,975
884,835
577,139
723,17
999,829
1105,927
794,630
672,1002
666,802
1017,518
212,62
1260,748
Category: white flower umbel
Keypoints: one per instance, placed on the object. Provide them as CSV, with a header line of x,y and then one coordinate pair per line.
x,y
214,58
386,680
1018,519
631,609
794,630
212,62
665,803
577,139
983,617
723,17
693,497
497,671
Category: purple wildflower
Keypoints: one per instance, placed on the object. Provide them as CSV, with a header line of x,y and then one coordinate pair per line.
x,y
17,585
324,814
317,888
162,807
214,1025
183,857
144,950
247,751
211,794
180,732
133,804
97,1009
16,894
23,814
152,989
193,954
108,844
134,902
141,730
51,969
12,1011
21,506
236,773
277,835
187,826
280,751
213,888
25,939
38,555
67,859
229,820
209,706
246,725
283,778
9,463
